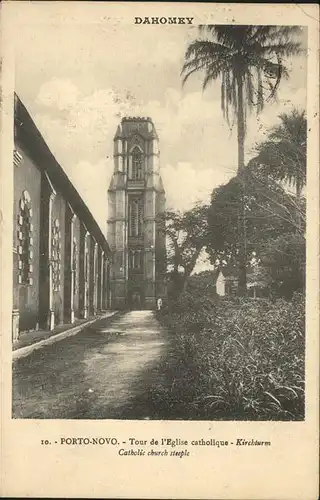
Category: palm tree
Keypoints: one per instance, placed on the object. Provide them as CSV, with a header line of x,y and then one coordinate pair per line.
x,y
284,154
248,61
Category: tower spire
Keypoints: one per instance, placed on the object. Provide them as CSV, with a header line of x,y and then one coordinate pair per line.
x,y
136,197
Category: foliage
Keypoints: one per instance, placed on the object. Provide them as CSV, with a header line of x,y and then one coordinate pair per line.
x,y
247,60
283,155
235,359
283,259
186,235
269,212
203,282
278,202
273,219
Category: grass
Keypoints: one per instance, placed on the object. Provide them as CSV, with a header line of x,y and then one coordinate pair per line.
x,y
233,359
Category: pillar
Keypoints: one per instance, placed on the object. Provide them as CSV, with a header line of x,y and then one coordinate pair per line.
x,y
72,273
69,272
46,312
51,318
83,272
95,278
91,281
86,275
149,247
100,279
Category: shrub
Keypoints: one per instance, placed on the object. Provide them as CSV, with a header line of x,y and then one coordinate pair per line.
x,y
237,359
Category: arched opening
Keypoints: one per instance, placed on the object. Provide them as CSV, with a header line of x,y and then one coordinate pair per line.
x,y
25,240
56,255
135,217
135,260
136,173
27,315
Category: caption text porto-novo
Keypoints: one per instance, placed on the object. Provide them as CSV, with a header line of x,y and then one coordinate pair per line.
x,y
162,441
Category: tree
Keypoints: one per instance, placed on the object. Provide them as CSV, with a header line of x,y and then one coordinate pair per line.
x,y
203,283
270,212
283,155
283,259
186,234
276,200
247,60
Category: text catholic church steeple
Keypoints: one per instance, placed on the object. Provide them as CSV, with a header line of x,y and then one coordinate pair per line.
x,y
135,234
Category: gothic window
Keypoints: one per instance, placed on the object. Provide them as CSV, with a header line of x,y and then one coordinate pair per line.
x,y
56,255
135,217
137,164
135,259
75,265
25,240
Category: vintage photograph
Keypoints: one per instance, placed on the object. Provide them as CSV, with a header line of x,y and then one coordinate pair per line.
x,y
159,221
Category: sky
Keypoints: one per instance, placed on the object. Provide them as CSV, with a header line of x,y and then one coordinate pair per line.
x,y
78,81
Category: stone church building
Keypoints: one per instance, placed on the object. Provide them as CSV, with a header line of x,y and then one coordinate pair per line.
x,y
61,259
135,232
64,269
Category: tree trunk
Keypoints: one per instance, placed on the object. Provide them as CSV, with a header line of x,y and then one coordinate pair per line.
x,y
242,281
184,282
176,284
241,127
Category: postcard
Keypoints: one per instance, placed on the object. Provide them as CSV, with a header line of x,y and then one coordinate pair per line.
x,y
159,250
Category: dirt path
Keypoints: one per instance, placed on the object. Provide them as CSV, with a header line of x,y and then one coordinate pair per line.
x,y
99,373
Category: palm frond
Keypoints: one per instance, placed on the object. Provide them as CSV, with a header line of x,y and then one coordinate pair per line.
x,y
205,48
261,34
283,155
283,49
223,93
209,77
234,99
250,54
249,90
260,92
204,56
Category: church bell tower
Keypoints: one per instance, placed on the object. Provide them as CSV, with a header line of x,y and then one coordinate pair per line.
x,y
135,234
